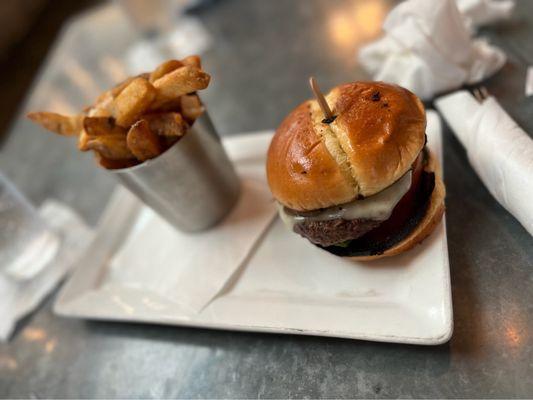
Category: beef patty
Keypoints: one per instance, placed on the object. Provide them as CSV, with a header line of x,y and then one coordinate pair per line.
x,y
367,237
333,231
326,233
393,230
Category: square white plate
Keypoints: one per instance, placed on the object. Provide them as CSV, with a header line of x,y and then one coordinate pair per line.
x,y
287,285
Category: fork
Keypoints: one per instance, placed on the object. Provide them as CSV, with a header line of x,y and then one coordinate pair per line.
x,y
481,93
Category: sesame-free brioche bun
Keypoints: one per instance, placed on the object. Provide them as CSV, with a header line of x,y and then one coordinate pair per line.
x,y
378,132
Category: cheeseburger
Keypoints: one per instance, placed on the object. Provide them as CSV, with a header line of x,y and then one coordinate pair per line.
x,y
360,183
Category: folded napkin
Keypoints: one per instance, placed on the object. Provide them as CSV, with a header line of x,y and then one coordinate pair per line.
x,y
190,269
428,49
499,150
18,297
483,12
529,82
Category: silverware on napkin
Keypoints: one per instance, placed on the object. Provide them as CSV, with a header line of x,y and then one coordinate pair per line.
x,y
499,150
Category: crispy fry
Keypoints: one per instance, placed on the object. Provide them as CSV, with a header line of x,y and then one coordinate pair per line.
x,y
108,163
103,107
172,105
193,61
65,125
117,89
82,141
165,68
142,142
139,118
133,101
191,107
166,124
168,141
104,96
113,147
179,82
99,112
100,126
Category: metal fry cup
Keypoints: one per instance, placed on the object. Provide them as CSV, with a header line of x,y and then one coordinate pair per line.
x,y
192,185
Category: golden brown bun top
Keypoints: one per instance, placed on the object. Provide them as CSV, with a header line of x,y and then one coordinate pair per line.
x,y
376,136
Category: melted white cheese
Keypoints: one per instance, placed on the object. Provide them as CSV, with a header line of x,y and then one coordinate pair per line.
x,y
377,207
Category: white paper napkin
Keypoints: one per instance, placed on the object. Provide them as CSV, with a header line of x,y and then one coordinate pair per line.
x,y
428,49
20,297
483,12
529,82
500,152
191,269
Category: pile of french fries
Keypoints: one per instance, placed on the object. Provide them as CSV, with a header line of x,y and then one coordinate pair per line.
x,y
138,119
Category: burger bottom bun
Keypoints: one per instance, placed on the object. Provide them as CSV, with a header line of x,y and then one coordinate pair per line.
x,y
431,219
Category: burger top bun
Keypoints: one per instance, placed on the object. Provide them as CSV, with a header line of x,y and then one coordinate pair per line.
x,y
377,134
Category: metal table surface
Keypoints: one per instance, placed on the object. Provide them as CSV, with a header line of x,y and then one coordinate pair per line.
x,y
261,55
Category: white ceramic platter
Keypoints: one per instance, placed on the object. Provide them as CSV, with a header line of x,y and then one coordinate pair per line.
x,y
287,285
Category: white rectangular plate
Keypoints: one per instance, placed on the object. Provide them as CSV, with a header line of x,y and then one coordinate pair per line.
x,y
287,286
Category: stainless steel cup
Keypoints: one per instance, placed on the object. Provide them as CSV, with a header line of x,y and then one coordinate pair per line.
x,y
193,185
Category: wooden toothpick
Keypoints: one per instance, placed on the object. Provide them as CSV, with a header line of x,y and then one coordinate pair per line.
x,y
328,115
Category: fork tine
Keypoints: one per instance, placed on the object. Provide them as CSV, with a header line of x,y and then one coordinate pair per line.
x,y
481,93
477,94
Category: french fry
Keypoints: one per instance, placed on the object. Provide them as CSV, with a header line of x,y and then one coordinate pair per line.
x,y
103,107
172,105
109,163
181,81
193,61
137,119
142,142
98,111
82,141
165,68
103,97
100,126
133,101
166,124
168,141
113,147
191,107
65,125
117,89
171,65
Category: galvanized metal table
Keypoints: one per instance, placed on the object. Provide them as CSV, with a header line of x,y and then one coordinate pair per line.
x,y
260,56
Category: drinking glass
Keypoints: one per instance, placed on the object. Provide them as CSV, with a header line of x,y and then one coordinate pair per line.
x,y
27,243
